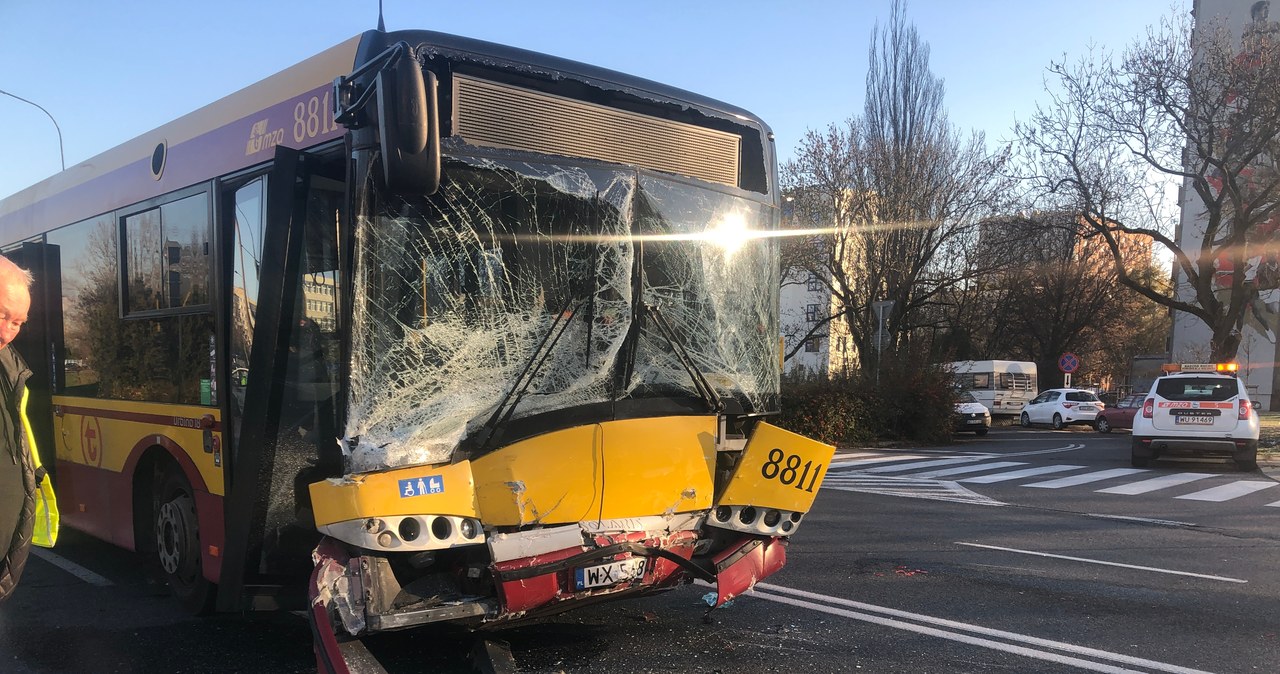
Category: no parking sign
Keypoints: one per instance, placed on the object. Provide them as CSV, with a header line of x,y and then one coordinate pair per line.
x,y
1068,363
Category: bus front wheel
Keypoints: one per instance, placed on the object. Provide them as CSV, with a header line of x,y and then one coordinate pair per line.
x,y
177,534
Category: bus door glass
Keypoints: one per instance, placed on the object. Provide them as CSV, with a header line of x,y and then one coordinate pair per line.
x,y
283,365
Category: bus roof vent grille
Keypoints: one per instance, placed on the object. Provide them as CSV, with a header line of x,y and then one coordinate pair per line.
x,y
500,115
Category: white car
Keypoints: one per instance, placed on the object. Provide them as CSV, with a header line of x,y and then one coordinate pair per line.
x,y
972,415
1201,409
1060,407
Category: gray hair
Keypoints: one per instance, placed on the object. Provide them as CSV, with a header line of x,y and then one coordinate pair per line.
x,y
12,272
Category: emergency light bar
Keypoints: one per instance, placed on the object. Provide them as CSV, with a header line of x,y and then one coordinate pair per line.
x,y
1200,367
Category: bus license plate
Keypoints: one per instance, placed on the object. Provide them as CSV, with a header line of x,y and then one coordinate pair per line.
x,y
1197,420
608,574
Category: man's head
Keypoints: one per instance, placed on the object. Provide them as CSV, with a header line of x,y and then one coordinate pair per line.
x,y
15,299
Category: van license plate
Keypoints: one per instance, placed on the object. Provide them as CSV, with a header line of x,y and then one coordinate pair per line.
x,y
608,574
1195,421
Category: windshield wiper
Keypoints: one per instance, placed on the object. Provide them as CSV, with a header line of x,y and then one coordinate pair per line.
x,y
507,406
704,388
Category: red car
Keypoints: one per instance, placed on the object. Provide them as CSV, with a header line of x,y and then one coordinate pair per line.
x,y
1119,415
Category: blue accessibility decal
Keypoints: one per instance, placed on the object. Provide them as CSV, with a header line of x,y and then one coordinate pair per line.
x,y
421,486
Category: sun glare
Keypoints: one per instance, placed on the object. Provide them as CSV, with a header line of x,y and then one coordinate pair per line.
x,y
729,233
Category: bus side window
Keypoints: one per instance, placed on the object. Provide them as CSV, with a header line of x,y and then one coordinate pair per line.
x,y
90,297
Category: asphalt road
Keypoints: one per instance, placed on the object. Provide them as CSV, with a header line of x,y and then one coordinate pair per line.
x,y
1084,565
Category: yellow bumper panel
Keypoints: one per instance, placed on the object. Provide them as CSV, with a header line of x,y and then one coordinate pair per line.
x,y
609,470
548,479
658,466
779,469
416,490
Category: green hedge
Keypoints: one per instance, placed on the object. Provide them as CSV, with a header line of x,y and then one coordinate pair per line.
x,y
913,402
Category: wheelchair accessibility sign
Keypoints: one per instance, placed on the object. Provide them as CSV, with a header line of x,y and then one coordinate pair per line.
x,y
422,486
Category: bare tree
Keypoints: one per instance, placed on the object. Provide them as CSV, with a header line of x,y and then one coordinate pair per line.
x,y
1197,107
1059,293
898,193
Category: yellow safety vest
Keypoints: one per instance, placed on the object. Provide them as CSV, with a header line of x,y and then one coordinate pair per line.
x,y
45,531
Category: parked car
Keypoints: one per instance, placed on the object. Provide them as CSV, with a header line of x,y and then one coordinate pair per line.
x,y
1060,407
1119,415
1201,410
972,415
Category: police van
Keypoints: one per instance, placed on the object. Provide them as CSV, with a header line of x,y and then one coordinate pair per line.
x,y
1200,409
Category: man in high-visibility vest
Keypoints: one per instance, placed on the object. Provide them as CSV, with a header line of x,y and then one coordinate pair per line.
x,y
28,511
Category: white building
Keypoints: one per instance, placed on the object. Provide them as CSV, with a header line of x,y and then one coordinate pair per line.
x,y
805,304
1190,338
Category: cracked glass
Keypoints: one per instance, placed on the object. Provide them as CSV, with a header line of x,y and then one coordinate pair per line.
x,y
516,286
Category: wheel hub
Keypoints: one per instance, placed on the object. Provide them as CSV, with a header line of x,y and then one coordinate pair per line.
x,y
175,529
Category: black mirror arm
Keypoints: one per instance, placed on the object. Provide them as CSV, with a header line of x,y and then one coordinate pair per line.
x,y
345,109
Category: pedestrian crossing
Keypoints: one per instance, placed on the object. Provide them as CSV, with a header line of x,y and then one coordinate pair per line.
x,y
943,477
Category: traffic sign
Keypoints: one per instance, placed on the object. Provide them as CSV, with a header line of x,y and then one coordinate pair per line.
x,y
1068,362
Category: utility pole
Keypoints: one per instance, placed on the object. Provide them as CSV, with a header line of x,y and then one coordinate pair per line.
x,y
61,155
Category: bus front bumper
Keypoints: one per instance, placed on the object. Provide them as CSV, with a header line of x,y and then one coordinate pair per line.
x,y
352,595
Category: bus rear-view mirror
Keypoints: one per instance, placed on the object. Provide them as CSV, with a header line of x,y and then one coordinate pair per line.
x,y
409,127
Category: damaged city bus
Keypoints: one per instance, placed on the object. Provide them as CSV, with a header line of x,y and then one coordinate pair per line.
x,y
423,329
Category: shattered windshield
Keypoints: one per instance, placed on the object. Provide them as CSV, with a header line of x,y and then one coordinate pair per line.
x,y
455,299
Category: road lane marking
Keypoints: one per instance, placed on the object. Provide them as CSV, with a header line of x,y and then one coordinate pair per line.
x,y
858,455
947,472
1143,520
903,467
1103,562
1018,474
934,490
1055,450
857,462
1085,478
1162,482
71,567
1228,491
956,631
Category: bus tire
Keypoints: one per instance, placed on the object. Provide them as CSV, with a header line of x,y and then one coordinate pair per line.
x,y
177,540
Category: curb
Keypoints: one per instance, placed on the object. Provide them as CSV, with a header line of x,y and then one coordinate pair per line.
x,y
1270,468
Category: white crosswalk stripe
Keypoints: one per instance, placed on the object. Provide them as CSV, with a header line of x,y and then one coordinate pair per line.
x,y
939,476
1162,482
1227,492
904,467
843,461
1085,478
1018,474
948,472
936,490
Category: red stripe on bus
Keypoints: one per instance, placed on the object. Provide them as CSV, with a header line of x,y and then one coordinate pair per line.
x,y
99,501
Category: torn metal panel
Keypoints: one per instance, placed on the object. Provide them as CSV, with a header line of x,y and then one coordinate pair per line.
x,y
504,547
654,524
740,567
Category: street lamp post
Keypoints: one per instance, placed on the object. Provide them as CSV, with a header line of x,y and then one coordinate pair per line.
x,y
881,308
61,155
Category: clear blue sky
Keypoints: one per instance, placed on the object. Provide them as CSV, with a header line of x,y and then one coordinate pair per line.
x,y
109,71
